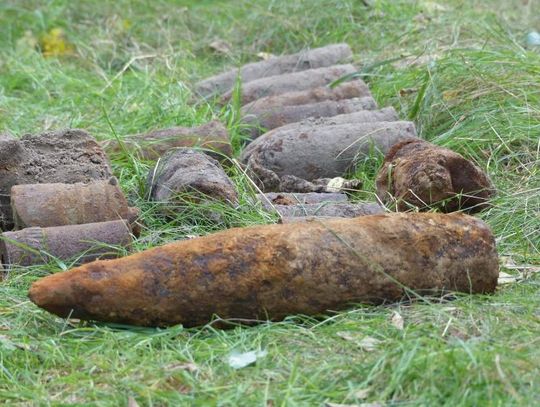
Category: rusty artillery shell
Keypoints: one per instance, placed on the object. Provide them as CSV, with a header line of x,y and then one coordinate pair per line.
x,y
260,120
212,136
386,114
290,82
345,90
83,243
188,171
418,173
47,205
306,59
309,151
271,271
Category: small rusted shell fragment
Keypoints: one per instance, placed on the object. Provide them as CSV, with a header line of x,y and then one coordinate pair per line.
x,y
271,271
313,204
421,174
47,205
82,243
212,136
386,114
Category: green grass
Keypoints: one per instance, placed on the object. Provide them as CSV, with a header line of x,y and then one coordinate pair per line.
x,y
131,72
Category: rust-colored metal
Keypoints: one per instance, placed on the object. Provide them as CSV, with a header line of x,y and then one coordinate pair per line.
x,y
309,151
271,271
345,90
386,114
290,82
81,243
47,205
262,119
212,136
421,174
306,59
188,171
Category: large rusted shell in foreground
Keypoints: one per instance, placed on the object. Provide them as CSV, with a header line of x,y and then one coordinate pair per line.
x,y
421,174
271,271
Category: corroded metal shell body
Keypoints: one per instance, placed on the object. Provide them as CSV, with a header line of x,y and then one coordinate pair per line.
x,y
271,271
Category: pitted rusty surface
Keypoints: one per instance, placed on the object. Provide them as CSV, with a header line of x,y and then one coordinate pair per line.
x,y
47,205
212,136
386,114
188,171
81,243
261,118
422,174
273,271
345,90
282,200
310,151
